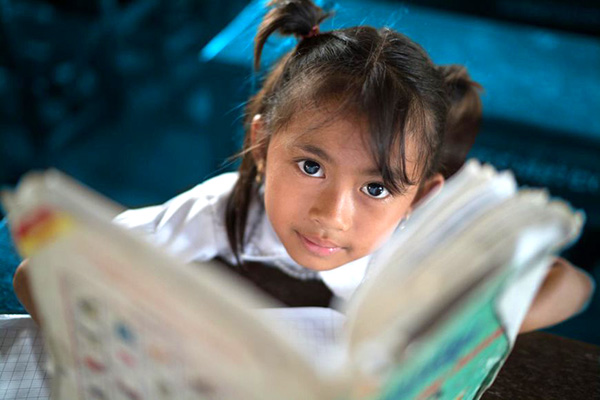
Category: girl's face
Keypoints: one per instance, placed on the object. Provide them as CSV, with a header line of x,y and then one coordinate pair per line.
x,y
324,195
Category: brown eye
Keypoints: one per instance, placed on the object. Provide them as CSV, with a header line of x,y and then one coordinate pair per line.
x,y
375,190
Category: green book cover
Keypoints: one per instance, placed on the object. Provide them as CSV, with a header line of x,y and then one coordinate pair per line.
x,y
457,361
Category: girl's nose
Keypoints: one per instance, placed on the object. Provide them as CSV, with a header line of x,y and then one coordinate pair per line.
x,y
333,209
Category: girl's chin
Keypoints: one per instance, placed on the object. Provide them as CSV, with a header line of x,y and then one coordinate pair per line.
x,y
309,262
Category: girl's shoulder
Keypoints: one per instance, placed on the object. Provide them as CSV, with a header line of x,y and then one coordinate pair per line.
x,y
208,193
191,224
217,187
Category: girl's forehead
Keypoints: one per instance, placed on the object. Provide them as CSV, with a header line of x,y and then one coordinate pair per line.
x,y
337,143
325,125
339,133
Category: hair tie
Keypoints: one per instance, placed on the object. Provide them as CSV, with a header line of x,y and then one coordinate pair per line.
x,y
313,32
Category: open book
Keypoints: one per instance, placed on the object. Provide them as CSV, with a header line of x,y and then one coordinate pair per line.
x,y
435,317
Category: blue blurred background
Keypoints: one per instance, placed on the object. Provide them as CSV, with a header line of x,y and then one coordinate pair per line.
x,y
142,99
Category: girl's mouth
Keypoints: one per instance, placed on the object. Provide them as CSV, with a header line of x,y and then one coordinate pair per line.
x,y
319,247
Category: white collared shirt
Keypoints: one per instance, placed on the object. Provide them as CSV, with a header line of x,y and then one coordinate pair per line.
x,y
191,226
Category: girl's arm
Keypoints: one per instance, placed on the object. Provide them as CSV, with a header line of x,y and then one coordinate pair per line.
x,y
564,292
22,289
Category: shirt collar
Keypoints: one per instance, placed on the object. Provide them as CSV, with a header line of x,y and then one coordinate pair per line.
x,y
344,280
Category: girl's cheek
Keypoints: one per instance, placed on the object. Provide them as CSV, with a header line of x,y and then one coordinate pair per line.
x,y
377,222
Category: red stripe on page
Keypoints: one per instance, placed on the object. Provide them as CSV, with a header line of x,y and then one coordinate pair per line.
x,y
463,361
39,217
435,386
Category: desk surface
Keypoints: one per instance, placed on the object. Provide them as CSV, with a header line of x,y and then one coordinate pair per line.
x,y
547,367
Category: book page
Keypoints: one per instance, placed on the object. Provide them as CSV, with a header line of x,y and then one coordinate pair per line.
x,y
123,319
468,194
409,315
315,331
462,351
492,241
473,191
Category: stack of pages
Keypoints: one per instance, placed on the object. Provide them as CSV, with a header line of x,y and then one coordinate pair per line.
x,y
435,317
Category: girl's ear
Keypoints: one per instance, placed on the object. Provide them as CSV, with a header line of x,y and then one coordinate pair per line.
x,y
430,187
257,138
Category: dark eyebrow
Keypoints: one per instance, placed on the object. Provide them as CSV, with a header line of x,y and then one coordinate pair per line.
x,y
317,151
309,148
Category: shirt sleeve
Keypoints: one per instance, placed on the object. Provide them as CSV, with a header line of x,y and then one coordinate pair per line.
x,y
191,225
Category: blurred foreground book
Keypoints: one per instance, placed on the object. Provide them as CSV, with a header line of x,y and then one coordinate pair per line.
x,y
436,316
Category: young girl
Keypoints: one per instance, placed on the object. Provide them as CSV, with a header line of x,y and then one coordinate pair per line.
x,y
342,141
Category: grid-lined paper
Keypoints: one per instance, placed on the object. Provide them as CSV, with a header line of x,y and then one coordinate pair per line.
x,y
315,331
22,360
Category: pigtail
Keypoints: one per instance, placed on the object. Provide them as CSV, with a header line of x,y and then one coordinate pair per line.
x,y
288,17
463,119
